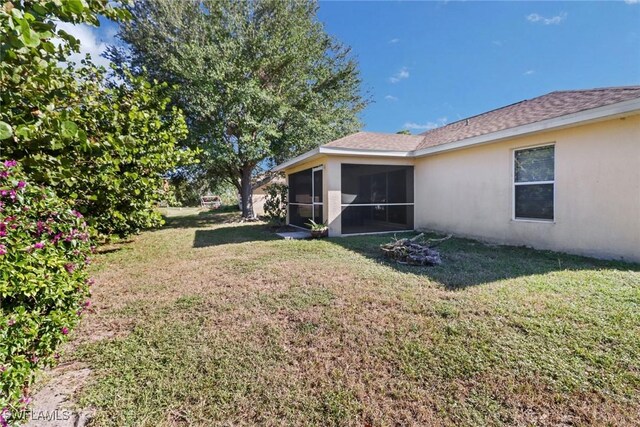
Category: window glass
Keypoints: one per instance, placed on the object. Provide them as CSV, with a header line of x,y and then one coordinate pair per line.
x,y
534,201
531,165
534,164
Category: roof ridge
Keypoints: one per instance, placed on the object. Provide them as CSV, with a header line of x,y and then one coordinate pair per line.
x,y
481,114
531,99
630,87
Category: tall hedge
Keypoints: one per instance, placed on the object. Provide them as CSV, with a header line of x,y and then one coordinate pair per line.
x,y
44,248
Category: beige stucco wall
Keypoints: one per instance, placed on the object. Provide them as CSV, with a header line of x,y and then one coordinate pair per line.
x,y
597,183
260,196
258,202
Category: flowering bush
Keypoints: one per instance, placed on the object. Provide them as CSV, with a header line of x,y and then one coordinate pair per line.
x,y
44,248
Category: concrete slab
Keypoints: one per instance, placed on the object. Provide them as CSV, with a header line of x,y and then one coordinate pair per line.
x,y
295,235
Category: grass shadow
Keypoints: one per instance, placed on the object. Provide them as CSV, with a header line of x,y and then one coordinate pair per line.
x,y
199,219
467,262
232,234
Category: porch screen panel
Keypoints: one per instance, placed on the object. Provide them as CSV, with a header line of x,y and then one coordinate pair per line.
x,y
305,197
376,198
300,187
317,187
300,215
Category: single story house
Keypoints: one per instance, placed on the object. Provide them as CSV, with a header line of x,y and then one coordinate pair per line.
x,y
560,172
259,195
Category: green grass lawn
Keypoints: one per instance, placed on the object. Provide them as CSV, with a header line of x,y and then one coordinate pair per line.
x,y
211,322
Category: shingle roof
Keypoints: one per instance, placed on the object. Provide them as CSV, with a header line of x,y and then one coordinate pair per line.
x,y
377,141
549,106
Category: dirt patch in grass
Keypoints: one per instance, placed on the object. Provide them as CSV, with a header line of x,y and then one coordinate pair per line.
x,y
214,322
54,402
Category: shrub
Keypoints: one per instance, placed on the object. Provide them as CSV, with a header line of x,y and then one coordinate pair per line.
x,y
44,246
102,143
275,204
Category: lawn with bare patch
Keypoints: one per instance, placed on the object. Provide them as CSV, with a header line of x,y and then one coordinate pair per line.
x,y
211,322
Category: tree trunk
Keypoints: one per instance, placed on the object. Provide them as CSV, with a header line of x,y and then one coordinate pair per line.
x,y
246,193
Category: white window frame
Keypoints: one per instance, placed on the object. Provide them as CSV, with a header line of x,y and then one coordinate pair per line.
x,y
516,184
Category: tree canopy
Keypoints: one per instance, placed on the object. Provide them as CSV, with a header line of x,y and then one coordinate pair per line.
x,y
259,81
101,145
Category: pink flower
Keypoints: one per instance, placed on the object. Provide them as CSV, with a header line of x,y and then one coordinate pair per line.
x,y
77,214
38,245
4,415
40,227
65,330
11,322
21,184
3,249
69,267
34,359
87,303
10,163
4,174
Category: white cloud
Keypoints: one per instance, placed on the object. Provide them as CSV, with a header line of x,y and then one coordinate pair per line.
x,y
89,43
632,1
529,72
553,20
391,98
394,41
400,75
426,126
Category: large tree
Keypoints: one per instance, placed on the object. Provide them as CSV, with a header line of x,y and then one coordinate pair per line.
x,y
259,81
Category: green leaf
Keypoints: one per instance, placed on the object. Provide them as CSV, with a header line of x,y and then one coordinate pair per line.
x,y
69,129
5,130
75,6
41,10
29,37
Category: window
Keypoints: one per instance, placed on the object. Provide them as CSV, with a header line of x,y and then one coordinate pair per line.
x,y
305,197
534,181
376,198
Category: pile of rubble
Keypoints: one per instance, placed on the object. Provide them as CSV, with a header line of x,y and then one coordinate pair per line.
x,y
414,251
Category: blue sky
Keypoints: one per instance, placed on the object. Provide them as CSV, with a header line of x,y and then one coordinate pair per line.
x,y
425,64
